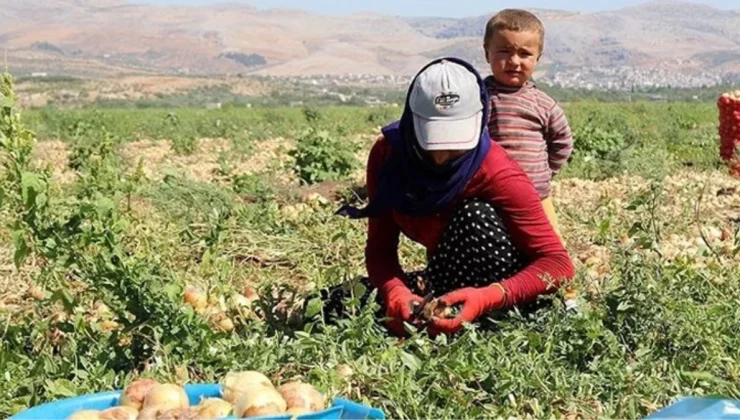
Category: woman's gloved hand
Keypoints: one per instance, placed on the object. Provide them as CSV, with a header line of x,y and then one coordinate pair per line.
x,y
398,301
475,302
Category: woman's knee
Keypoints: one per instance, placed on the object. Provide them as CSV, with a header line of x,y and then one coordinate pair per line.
x,y
476,247
474,211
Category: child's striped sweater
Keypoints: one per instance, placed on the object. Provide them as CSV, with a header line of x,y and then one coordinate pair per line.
x,y
532,128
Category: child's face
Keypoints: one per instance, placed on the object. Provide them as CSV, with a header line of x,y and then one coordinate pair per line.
x,y
513,56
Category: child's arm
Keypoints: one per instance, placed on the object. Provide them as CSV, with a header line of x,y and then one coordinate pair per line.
x,y
559,139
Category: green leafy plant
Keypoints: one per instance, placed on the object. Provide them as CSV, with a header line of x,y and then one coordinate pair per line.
x,y
320,157
84,235
647,330
253,186
598,142
183,142
16,147
312,115
649,228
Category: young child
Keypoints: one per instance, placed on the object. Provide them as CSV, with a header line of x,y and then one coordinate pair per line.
x,y
527,122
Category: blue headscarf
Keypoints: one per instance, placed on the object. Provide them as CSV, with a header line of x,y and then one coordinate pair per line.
x,y
410,182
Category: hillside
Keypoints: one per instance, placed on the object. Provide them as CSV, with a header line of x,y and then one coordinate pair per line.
x,y
107,37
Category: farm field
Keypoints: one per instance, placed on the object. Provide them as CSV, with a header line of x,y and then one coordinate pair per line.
x,y
107,216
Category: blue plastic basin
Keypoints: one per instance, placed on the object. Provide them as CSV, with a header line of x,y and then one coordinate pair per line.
x,y
699,408
341,409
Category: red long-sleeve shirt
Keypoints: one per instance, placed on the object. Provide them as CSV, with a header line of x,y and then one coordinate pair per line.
x,y
499,181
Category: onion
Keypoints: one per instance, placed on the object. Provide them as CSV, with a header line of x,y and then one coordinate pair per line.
x,y
250,294
124,341
592,261
433,309
726,234
302,395
195,298
235,383
109,326
59,317
298,411
85,415
214,408
37,293
290,212
209,311
133,395
102,309
260,402
713,233
443,311
167,396
178,414
119,413
150,413
241,300
317,198
225,323
345,371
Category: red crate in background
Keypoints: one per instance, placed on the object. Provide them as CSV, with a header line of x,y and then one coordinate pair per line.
x,y
729,130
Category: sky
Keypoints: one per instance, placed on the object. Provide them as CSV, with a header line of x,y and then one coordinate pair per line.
x,y
445,8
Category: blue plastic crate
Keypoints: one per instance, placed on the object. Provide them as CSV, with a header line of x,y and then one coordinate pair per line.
x,y
700,408
341,409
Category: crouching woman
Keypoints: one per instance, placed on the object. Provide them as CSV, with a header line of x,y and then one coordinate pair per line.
x,y
436,176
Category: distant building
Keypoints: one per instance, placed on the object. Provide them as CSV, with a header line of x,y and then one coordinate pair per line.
x,y
374,102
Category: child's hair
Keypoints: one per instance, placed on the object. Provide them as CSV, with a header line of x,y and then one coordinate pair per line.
x,y
516,20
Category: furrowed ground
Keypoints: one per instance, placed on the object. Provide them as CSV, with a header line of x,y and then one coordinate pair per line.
x,y
115,212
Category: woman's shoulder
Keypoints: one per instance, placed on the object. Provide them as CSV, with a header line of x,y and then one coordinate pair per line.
x,y
380,150
376,159
502,180
381,142
497,160
389,134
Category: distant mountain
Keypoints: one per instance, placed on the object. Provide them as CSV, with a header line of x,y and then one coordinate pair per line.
x,y
106,37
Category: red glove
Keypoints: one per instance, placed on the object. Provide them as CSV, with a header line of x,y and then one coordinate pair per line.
x,y
475,301
397,298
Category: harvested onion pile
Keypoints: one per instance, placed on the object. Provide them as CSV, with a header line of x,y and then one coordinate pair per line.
x,y
253,395
217,311
245,394
729,130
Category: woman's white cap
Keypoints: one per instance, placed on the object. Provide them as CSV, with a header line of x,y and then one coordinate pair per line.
x,y
447,108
